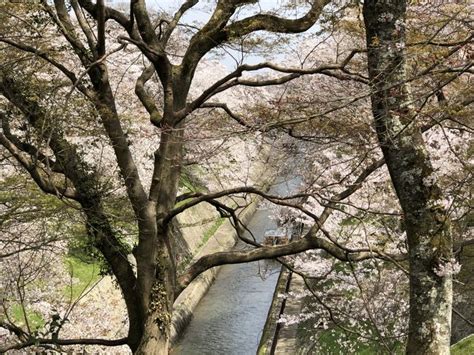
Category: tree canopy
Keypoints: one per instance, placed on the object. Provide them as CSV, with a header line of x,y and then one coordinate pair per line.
x,y
116,122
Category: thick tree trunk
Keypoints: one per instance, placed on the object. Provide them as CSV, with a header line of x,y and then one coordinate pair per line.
x,y
156,333
153,340
160,252
426,221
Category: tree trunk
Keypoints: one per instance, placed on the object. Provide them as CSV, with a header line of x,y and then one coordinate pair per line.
x,y
426,220
156,334
163,191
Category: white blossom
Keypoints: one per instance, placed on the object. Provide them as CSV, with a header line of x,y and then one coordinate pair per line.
x,y
448,268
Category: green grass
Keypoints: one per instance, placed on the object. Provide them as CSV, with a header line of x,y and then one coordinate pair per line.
x,y
85,273
211,231
329,345
35,320
205,238
464,346
189,183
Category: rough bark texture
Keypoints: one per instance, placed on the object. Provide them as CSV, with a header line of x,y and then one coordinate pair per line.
x,y
158,255
401,140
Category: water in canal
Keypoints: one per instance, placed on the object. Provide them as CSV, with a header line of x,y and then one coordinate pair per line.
x,y
229,320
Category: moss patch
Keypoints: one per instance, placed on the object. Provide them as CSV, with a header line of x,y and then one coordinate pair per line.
x,y
205,238
211,231
329,343
464,346
190,183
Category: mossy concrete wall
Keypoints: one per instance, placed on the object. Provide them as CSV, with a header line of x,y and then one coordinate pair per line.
x,y
271,328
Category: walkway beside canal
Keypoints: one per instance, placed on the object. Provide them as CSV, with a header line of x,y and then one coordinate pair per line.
x,y
279,338
287,336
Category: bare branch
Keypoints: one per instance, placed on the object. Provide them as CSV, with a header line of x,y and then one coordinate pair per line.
x,y
276,24
100,28
44,56
233,79
217,31
91,39
110,13
63,21
226,108
198,198
177,16
43,183
28,148
20,333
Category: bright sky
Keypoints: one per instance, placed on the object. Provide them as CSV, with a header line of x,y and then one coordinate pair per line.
x,y
201,12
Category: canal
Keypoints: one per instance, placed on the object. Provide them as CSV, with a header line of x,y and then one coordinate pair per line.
x,y
230,318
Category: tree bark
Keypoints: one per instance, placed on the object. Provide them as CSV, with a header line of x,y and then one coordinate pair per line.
x,y
158,255
404,150
157,327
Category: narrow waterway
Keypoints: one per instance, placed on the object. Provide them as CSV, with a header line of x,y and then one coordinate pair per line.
x,y
230,318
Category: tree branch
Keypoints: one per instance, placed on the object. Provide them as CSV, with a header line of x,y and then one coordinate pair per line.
x,y
309,241
226,108
91,39
217,31
177,16
31,150
272,23
100,28
63,21
44,184
44,56
110,13
227,82
198,198
145,27
147,100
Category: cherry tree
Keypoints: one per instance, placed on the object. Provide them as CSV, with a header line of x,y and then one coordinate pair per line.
x,y
79,43
370,217
149,293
